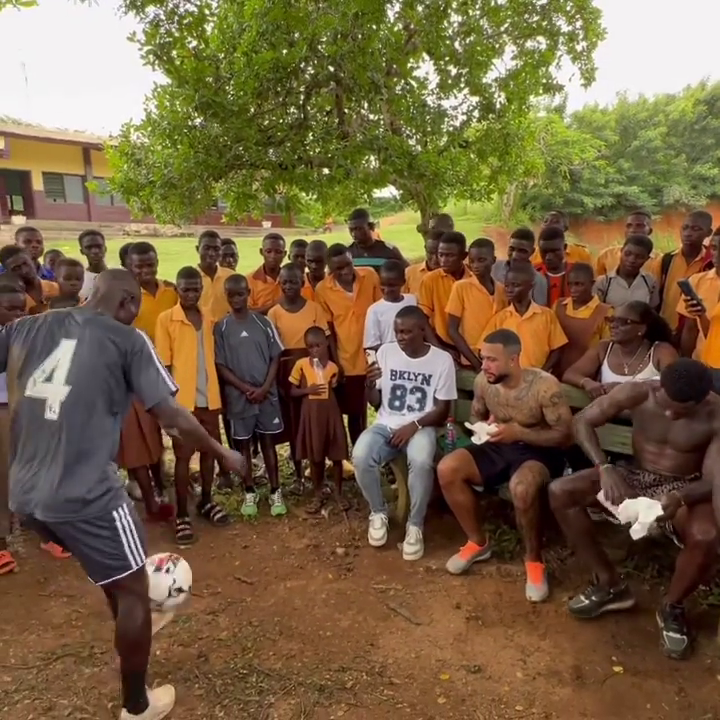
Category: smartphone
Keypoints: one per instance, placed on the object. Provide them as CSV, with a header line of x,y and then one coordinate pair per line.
x,y
370,356
689,292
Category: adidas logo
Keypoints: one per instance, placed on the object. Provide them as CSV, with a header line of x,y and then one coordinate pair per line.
x,y
244,334
276,421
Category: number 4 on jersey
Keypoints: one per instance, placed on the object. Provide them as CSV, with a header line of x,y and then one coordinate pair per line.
x,y
49,381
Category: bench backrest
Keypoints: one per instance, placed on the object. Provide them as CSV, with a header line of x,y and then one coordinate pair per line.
x,y
614,437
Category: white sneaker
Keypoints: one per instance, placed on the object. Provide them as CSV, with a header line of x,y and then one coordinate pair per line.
x,y
413,547
162,701
378,529
133,490
160,620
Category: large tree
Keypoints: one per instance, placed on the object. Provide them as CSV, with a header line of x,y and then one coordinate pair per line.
x,y
338,98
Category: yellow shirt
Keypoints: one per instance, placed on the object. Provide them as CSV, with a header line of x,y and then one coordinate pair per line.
x,y
574,253
679,269
50,289
291,327
707,286
475,306
602,331
213,302
711,347
538,329
152,305
433,298
609,259
264,290
176,341
346,311
303,369
413,277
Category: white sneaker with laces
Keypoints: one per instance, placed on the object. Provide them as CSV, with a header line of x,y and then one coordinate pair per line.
x,y
378,529
162,701
413,547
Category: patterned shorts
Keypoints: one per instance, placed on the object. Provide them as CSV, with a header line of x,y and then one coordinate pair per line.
x,y
652,485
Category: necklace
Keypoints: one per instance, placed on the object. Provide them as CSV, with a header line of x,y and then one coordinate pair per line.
x,y
627,363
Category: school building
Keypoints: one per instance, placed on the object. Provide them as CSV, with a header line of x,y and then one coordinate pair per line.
x,y
44,175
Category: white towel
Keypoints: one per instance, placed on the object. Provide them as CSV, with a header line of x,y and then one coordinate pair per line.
x,y
481,431
640,513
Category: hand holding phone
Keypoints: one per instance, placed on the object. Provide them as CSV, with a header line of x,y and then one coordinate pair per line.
x,y
693,303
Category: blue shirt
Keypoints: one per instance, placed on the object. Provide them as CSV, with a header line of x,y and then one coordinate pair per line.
x,y
43,272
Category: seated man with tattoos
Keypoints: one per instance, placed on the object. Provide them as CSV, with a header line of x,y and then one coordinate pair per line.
x,y
535,423
676,448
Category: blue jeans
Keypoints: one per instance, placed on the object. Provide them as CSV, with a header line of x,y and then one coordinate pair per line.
x,y
373,450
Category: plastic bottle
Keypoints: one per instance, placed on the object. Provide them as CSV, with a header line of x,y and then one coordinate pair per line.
x,y
450,435
318,368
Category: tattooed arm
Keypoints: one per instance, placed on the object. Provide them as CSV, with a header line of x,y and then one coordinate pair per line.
x,y
557,414
479,409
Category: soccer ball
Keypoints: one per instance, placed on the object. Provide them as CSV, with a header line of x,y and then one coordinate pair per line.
x,y
169,580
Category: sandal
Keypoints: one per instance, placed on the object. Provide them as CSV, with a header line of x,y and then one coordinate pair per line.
x,y
57,551
314,505
213,513
7,562
164,513
184,535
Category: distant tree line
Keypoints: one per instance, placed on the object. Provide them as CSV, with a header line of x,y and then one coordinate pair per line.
x,y
656,152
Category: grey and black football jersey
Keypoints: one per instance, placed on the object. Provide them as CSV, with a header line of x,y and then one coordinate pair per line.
x,y
71,375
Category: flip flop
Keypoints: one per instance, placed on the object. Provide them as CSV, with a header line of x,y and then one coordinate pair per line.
x,y
7,563
57,551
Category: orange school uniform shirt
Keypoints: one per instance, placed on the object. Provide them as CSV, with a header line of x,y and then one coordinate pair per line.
x,y
707,286
308,291
346,311
213,303
414,276
538,329
609,259
303,368
176,342
475,306
264,290
435,290
574,253
50,289
152,305
291,327
679,269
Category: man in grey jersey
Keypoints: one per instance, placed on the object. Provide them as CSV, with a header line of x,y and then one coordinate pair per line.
x,y
71,376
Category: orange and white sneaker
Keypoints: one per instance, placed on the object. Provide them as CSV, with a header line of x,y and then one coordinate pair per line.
x,y
469,554
58,552
536,584
162,701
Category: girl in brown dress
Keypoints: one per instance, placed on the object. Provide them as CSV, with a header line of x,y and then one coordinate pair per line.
x,y
321,433
582,317
292,316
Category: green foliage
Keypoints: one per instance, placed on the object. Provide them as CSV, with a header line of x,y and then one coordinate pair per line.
x,y
22,4
335,99
655,153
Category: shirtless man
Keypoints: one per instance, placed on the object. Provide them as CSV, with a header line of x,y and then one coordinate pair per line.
x,y
534,422
676,445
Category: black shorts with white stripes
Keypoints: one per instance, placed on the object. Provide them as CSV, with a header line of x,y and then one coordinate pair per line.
x,y
108,546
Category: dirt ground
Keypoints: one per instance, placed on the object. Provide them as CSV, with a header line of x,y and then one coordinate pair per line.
x,y
297,619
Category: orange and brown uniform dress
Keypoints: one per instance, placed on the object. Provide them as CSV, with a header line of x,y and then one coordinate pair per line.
x,y
584,327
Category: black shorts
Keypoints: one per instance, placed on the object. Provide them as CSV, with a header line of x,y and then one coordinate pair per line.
x,y
108,546
498,462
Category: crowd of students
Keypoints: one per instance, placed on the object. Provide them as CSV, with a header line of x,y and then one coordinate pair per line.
x,y
281,355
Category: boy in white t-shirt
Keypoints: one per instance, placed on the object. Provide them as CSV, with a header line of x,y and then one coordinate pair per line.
x,y
411,385
380,318
92,246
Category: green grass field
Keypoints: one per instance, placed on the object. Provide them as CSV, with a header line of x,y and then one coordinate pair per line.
x,y
399,230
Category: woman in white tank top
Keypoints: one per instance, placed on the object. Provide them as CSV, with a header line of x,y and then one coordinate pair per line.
x,y
638,349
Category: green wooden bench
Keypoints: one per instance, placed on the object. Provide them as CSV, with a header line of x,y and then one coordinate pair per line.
x,y
615,438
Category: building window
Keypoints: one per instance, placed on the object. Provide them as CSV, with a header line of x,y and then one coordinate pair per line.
x,y
104,196
64,188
